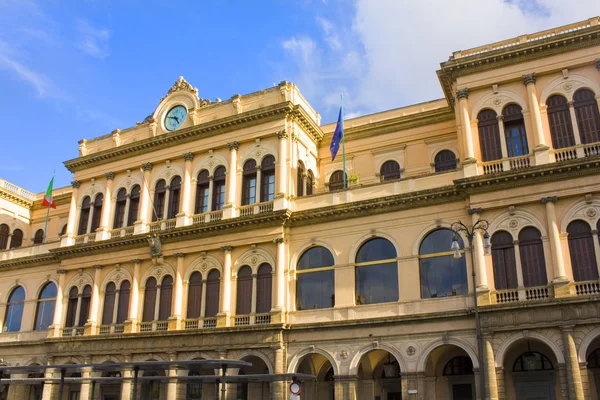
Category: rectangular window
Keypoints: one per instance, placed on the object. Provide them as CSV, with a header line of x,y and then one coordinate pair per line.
x,y
218,196
249,190
516,140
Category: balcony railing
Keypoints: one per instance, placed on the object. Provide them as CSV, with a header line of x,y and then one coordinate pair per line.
x,y
162,225
522,294
257,208
574,152
587,288
108,329
207,217
121,232
74,331
85,238
16,189
507,296
537,293
506,164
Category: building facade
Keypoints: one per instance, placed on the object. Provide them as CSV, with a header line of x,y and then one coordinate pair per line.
x,y
223,230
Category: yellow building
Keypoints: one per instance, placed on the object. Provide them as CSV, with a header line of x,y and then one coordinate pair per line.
x,y
223,230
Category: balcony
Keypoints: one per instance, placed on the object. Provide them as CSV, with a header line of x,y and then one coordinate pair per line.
x,y
29,251
207,217
574,152
199,323
254,209
110,329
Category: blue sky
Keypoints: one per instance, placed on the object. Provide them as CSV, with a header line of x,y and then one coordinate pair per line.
x,y
79,69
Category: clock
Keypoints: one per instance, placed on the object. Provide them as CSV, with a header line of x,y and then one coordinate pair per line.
x,y
175,117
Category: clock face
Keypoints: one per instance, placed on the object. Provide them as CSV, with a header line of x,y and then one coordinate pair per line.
x,y
175,117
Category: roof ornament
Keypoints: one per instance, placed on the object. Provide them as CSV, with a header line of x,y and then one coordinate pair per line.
x,y
183,85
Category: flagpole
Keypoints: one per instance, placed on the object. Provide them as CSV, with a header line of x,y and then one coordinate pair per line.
x,y
47,215
343,141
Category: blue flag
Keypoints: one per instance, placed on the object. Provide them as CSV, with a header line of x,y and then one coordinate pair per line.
x,y
338,136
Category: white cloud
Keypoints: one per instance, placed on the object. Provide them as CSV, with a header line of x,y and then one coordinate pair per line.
x,y
331,36
302,47
8,61
92,41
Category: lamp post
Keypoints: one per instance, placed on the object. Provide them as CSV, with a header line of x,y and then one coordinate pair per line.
x,y
470,232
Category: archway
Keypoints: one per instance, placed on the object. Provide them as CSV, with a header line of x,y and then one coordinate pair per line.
x,y
200,390
592,357
379,376
153,389
252,390
109,390
323,388
530,370
449,374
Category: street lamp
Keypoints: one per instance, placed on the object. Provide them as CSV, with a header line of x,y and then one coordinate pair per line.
x,y
458,227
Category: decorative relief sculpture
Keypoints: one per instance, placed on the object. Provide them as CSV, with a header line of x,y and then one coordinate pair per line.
x,y
155,245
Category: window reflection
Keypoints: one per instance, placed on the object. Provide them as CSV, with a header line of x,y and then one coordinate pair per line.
x,y
315,279
376,272
441,274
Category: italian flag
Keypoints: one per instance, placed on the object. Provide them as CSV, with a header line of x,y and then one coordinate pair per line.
x,y
48,199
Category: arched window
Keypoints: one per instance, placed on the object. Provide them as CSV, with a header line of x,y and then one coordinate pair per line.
x,y
244,291
504,261
212,294
97,212
202,190
532,361
376,272
14,310
267,178
263,289
300,180
123,303
160,193
514,129
38,238
581,247
134,205
445,160
72,307
149,300
194,304
109,304
441,274
461,365
84,311
389,170
45,307
593,360
489,135
84,215
4,231
166,296
559,118
588,116
310,179
174,197
249,183
120,208
315,289
63,231
218,199
17,239
336,180
532,257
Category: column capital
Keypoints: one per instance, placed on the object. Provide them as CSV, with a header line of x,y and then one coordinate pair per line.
x,y
61,271
136,261
500,117
462,93
567,328
279,240
477,210
226,248
188,156
452,101
571,104
282,134
97,266
179,255
598,64
233,145
529,78
550,199
110,175
75,184
147,166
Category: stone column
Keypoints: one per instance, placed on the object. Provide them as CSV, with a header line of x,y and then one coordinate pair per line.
x,y
92,322
491,387
576,134
127,385
541,148
482,283
281,173
145,200
55,329
572,364
177,316
67,240
50,390
278,389
225,295
279,295
85,388
469,163
520,284
131,324
172,385
560,281
231,194
102,232
183,218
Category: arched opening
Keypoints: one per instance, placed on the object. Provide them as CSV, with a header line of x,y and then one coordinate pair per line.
x,y
218,195
441,274
587,114
504,261
149,300
166,297
153,389
489,135
97,212
33,391
376,272
336,180
529,371
445,160
202,192
197,390
14,310
323,388
84,215
174,197
310,179
244,291
38,238
581,248
213,283
514,130
109,390
45,307
593,368
300,176
531,251
253,390
249,182
267,178
134,205
450,370
109,303
379,376
4,231
160,193
119,219
17,239
315,289
123,302
389,170
84,308
559,118
194,301
264,288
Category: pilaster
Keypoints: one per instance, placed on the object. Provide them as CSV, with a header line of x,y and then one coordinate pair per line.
x,y
560,281
229,209
223,317
131,324
55,329
572,364
541,149
175,320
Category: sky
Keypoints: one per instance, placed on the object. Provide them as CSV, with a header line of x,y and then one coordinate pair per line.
x,y
82,68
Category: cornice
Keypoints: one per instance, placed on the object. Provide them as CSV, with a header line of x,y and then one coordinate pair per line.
x,y
16,199
31,261
533,50
59,200
220,126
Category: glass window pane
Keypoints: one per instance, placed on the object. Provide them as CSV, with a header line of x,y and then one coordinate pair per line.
x,y
377,283
315,290
376,249
443,276
315,257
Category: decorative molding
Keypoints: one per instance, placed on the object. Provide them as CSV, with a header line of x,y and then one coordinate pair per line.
x,y
147,166
550,199
462,93
179,255
477,210
598,64
529,79
136,261
110,175
75,184
233,145
61,271
278,240
282,134
188,156
226,248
